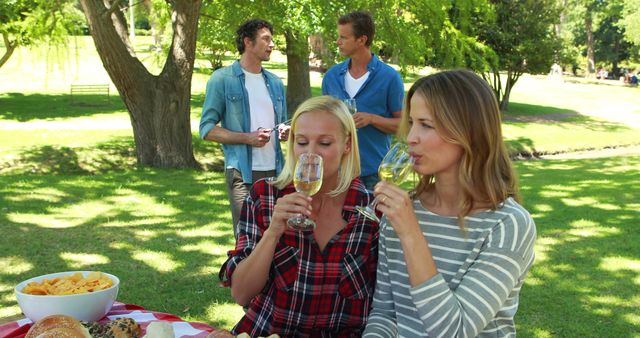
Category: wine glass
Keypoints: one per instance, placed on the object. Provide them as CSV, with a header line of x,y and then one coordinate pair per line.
x,y
307,179
351,105
394,168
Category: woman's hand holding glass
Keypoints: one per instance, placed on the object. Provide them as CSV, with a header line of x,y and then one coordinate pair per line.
x,y
397,206
307,179
394,168
288,206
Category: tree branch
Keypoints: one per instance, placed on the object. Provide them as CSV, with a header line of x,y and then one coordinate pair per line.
x,y
113,7
134,5
10,47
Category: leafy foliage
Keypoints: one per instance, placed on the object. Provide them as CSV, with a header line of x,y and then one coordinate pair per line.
x,y
522,37
25,22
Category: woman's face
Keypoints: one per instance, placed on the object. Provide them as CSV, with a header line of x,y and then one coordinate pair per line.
x,y
320,132
432,154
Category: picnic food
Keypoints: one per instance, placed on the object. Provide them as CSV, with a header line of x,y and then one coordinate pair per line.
x,y
73,327
159,330
68,285
62,332
117,328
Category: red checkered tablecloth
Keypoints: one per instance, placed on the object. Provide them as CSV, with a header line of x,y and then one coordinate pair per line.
x,y
182,329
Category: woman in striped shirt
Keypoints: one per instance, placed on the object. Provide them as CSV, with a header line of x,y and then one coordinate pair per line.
x,y
453,253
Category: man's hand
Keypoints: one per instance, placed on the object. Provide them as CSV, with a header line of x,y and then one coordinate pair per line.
x,y
362,119
259,137
283,132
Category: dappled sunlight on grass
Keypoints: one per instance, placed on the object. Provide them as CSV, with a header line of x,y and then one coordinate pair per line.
x,y
614,264
8,310
14,265
586,252
114,223
224,310
83,260
44,221
206,247
554,193
45,194
165,233
591,231
543,207
160,261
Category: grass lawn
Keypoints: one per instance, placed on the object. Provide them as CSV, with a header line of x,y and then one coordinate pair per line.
x,y
71,197
165,234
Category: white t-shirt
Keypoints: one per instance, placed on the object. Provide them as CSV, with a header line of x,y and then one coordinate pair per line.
x,y
353,85
262,115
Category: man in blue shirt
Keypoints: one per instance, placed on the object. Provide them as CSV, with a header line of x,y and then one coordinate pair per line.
x,y
377,88
248,102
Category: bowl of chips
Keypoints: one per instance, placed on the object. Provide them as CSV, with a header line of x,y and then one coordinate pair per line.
x,y
85,295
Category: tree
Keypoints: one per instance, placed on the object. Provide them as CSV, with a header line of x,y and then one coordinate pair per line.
x,y
631,20
159,105
611,46
523,39
25,22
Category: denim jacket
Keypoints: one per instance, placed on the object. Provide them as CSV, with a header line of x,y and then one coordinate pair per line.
x,y
226,101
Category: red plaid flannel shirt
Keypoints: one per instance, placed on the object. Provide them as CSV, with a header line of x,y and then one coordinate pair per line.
x,y
309,292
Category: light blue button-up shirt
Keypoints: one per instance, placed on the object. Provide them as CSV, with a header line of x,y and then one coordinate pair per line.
x,y
226,102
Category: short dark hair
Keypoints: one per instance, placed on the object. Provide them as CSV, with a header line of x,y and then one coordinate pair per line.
x,y
362,24
250,29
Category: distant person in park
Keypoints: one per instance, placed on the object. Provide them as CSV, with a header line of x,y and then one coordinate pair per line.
x,y
314,283
633,80
454,252
249,102
376,87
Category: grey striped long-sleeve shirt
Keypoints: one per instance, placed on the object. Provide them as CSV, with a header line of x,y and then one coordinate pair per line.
x,y
480,273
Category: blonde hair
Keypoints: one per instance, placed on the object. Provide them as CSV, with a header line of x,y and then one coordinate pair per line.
x,y
465,112
350,164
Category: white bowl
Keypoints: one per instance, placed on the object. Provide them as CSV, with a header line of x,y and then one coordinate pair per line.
x,y
89,306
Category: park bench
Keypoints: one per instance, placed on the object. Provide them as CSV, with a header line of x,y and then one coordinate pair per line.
x,y
83,89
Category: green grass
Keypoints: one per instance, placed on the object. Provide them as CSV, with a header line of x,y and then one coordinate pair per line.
x,y
165,234
587,273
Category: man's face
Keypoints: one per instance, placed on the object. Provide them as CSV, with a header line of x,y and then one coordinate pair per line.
x,y
348,44
262,46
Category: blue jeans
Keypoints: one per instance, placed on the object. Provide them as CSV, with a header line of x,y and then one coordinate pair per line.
x,y
370,181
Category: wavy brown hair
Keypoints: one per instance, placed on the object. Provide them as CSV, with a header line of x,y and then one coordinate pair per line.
x,y
465,112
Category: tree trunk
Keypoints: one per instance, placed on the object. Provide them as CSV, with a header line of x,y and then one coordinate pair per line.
x,y
159,106
512,78
591,59
298,84
10,47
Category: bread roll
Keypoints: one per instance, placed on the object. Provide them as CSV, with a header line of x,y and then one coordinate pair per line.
x,y
220,333
56,321
62,332
123,328
159,330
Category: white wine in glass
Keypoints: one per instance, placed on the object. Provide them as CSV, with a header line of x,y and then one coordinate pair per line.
x,y
307,179
351,105
394,168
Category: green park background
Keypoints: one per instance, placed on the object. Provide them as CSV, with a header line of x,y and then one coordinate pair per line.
x,y
72,196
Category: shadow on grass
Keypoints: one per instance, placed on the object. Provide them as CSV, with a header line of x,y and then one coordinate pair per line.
x,y
163,232
516,108
117,155
20,107
586,248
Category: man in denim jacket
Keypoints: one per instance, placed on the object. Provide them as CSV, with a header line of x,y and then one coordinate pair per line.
x,y
248,102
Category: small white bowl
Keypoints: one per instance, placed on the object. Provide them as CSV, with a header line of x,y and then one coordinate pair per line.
x,y
88,307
